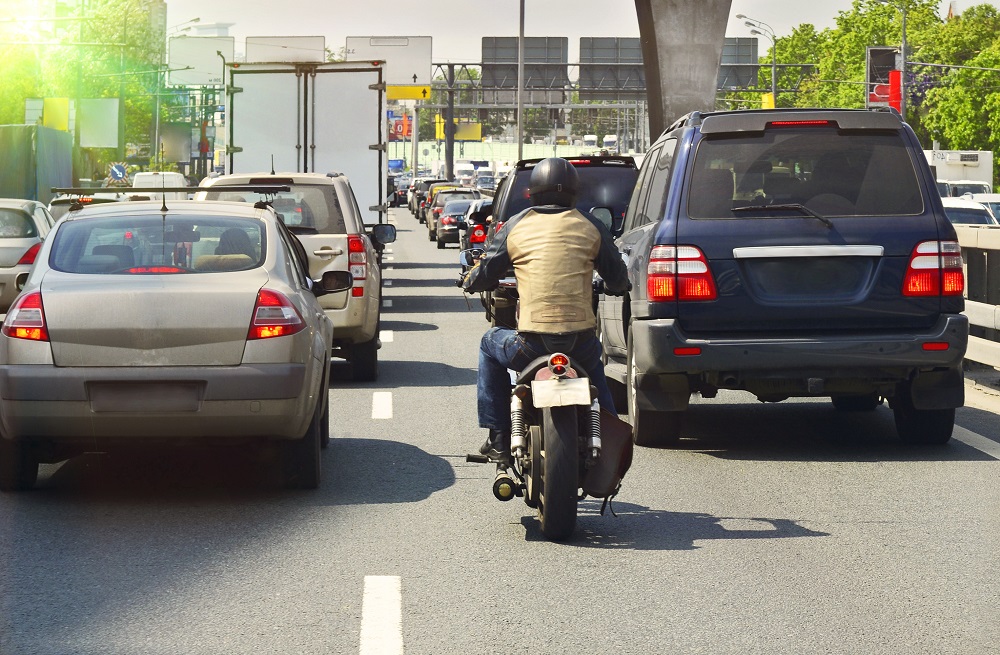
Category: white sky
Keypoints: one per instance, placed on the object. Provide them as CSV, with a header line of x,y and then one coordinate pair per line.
x,y
457,26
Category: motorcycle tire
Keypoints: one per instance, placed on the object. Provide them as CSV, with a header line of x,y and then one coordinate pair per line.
x,y
560,472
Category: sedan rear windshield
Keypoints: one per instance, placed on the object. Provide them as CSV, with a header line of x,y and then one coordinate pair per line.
x,y
153,245
16,224
304,209
827,171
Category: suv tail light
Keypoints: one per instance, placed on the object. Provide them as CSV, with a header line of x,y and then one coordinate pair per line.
x,y
29,255
274,316
678,273
357,258
935,269
478,234
26,319
438,210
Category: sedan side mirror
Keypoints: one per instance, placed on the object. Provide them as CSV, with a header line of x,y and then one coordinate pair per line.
x,y
332,282
384,233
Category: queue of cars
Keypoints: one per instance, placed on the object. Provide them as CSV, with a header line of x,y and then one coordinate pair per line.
x,y
209,321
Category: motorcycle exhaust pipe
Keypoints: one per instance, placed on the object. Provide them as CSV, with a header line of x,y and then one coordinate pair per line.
x,y
504,487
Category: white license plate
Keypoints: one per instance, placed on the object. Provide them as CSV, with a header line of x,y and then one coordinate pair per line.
x,y
560,392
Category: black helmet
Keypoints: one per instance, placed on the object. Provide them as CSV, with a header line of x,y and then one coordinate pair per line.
x,y
554,181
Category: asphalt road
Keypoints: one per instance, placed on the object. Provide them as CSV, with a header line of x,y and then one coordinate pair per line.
x,y
783,528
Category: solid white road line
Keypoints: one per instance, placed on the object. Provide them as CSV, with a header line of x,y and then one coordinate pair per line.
x,y
385,336
387,259
977,441
382,404
382,616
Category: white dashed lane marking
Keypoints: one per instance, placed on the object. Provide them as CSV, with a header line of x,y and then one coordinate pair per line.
x,y
977,441
385,336
382,616
382,404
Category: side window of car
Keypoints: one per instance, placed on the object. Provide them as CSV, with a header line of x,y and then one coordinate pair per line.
x,y
659,179
645,173
297,255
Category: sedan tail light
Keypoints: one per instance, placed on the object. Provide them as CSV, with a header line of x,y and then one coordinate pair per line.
x,y
274,316
358,260
478,234
935,269
678,273
29,255
26,319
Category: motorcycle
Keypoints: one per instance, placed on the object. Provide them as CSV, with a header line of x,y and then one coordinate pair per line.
x,y
561,441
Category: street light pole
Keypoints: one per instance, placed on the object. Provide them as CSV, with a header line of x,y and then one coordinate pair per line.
x,y
757,27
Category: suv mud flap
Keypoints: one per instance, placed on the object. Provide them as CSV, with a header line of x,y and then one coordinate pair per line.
x,y
666,392
943,389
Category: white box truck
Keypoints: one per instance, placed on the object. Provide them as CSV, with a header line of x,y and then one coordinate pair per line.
x,y
311,118
962,171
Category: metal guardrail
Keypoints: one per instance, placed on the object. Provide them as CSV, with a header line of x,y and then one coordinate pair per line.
x,y
981,254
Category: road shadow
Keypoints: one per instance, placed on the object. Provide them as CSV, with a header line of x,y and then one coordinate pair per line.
x,y
397,266
408,326
399,374
428,304
980,421
412,283
355,472
640,528
806,431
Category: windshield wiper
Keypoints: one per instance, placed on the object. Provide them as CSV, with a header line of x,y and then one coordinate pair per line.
x,y
787,206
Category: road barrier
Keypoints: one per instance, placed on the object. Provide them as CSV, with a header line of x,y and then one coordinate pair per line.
x,y
981,255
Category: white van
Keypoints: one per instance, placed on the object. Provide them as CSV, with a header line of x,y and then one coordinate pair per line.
x,y
151,180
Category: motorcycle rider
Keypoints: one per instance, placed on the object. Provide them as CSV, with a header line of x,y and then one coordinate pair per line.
x,y
554,250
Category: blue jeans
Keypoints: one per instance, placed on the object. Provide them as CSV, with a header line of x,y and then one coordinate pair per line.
x,y
503,348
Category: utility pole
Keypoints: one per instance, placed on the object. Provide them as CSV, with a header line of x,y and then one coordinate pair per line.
x,y
449,127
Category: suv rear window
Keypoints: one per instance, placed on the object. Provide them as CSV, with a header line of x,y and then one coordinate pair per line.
x,y
305,209
16,225
827,171
152,245
600,186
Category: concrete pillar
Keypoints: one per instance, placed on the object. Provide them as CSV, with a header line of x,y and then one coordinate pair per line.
x,y
681,49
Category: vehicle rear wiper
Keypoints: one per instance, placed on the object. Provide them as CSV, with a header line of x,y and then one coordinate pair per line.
x,y
786,206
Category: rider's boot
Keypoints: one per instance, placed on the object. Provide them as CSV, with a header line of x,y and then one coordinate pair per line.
x,y
497,447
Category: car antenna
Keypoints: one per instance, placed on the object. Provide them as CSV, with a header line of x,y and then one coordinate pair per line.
x,y
163,187
272,164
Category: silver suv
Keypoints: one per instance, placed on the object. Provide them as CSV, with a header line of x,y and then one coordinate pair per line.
x,y
322,212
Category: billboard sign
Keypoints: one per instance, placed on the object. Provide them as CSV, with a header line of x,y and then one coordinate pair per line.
x,y
199,60
878,63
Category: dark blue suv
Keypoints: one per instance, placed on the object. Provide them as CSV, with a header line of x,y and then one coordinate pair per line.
x,y
789,253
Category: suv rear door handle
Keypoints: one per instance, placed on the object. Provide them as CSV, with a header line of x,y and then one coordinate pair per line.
x,y
328,252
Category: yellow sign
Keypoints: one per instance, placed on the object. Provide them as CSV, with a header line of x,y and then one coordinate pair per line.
x,y
407,92
55,113
463,131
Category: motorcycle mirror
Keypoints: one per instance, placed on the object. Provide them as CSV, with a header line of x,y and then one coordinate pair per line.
x,y
604,215
470,256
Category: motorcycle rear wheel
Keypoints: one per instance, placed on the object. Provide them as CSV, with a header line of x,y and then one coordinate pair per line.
x,y
560,472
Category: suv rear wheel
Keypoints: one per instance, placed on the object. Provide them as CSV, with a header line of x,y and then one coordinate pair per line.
x,y
649,427
921,426
364,359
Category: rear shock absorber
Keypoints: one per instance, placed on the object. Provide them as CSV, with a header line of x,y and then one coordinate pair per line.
x,y
594,439
518,437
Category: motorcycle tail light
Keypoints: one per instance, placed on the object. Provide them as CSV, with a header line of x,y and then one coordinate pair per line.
x,y
558,364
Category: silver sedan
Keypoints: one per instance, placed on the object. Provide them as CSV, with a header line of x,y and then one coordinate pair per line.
x,y
141,324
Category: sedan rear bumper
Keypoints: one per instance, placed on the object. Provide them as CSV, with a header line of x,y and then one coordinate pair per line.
x,y
76,404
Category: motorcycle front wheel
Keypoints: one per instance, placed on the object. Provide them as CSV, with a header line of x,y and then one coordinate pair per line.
x,y
560,470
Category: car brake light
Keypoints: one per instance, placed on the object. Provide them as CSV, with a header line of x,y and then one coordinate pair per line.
x,y
478,234
935,269
29,255
678,273
448,220
26,319
158,270
358,261
815,123
500,225
274,316
437,211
